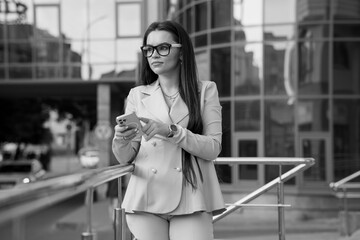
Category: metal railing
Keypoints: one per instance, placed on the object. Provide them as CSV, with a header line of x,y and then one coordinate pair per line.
x,y
22,200
28,198
345,189
301,164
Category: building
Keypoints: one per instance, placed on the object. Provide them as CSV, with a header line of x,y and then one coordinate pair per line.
x,y
287,72
288,75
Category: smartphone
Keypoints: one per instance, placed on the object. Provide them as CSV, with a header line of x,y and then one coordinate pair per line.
x,y
130,120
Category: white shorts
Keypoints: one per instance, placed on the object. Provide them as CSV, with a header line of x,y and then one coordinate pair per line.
x,y
147,226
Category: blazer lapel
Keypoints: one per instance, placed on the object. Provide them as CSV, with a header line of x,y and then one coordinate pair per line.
x,y
155,102
179,111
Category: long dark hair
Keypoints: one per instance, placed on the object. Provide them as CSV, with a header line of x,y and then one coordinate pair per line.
x,y
188,87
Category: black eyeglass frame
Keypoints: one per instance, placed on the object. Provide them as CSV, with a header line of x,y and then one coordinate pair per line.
x,y
169,45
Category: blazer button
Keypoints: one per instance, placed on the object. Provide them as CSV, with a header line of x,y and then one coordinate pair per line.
x,y
154,144
178,169
154,170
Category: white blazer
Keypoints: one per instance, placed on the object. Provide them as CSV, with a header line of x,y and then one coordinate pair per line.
x,y
156,185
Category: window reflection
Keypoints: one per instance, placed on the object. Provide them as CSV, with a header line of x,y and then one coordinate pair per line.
x,y
313,67
220,11
20,72
220,37
346,118
224,172
279,11
279,134
346,67
346,30
47,19
247,12
221,69
313,10
249,34
247,69
315,148
279,68
312,115
247,116
201,11
279,33
20,52
202,62
313,31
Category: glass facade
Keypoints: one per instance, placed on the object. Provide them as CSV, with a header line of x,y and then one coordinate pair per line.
x,y
69,40
289,83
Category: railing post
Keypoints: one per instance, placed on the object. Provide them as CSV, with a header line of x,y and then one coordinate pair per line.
x,y
281,213
346,214
89,235
119,216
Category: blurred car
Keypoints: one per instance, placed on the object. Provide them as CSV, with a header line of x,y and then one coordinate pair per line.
x,y
89,157
19,172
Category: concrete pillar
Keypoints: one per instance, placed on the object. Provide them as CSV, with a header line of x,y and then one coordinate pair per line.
x,y
103,129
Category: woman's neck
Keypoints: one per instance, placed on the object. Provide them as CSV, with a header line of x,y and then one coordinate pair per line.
x,y
169,85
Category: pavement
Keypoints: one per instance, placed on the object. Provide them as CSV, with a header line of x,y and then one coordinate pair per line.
x,y
236,226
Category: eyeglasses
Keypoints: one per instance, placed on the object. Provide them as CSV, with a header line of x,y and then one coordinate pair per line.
x,y
162,49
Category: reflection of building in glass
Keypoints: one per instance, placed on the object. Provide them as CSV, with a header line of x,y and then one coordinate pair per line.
x,y
288,78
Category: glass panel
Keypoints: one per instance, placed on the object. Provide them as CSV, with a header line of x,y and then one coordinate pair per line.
x,y
202,62
220,13
279,33
2,73
220,37
19,31
104,51
279,134
346,10
201,11
18,72
313,67
221,69
312,115
48,71
224,172
189,20
315,148
346,71
72,70
272,9
249,34
247,148
313,31
78,12
247,12
47,51
20,52
226,129
105,71
247,116
247,69
346,140
313,10
279,69
346,30
2,52
201,40
47,21
129,14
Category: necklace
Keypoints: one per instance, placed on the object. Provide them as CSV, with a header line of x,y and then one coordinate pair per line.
x,y
172,97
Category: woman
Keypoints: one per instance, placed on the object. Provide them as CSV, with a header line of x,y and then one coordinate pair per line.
x,y
174,191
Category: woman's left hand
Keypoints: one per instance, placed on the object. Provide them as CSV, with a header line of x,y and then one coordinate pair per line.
x,y
151,128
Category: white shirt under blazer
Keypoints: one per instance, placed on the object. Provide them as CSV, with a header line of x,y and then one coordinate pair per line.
x,y
156,185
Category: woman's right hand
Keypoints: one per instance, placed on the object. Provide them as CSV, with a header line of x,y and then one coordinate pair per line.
x,y
125,133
